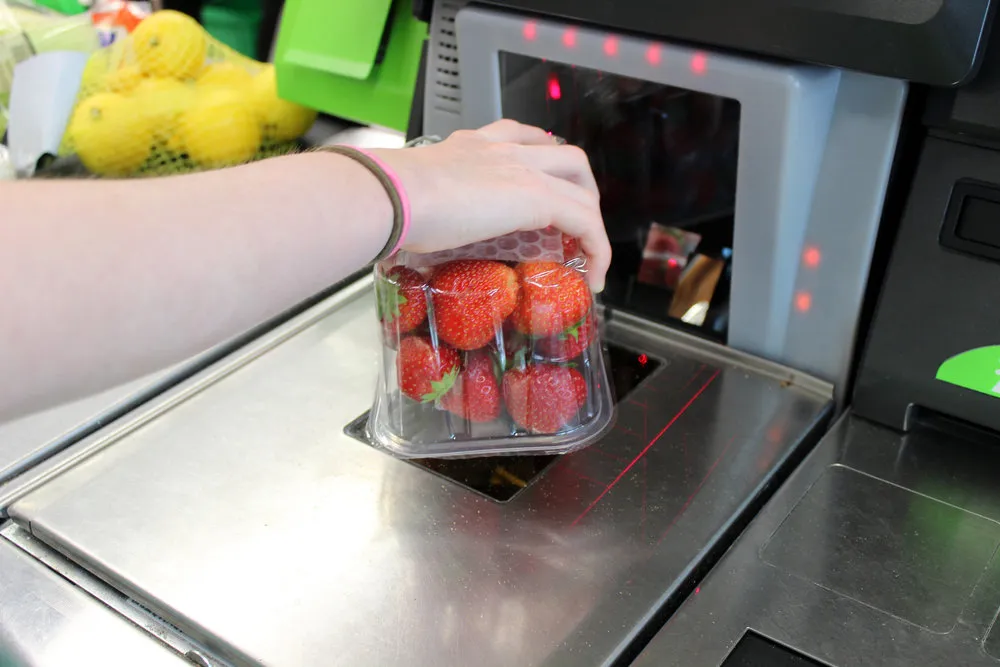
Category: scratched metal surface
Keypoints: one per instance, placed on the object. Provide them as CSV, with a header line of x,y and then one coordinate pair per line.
x,y
881,549
247,517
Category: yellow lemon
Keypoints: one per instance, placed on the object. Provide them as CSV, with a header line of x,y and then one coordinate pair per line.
x,y
94,74
226,75
170,44
280,120
110,134
163,101
219,130
124,79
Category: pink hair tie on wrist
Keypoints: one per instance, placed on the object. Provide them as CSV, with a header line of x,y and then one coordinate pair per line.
x,y
393,187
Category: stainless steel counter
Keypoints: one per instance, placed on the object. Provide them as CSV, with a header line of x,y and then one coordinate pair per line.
x,y
47,622
237,508
29,439
881,549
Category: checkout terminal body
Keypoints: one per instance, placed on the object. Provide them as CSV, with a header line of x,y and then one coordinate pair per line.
x,y
803,200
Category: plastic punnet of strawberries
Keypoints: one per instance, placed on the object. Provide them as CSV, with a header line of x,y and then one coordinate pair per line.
x,y
489,349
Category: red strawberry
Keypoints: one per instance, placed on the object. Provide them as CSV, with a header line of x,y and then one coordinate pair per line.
x,y
425,373
571,247
476,394
570,343
543,398
553,298
400,301
471,300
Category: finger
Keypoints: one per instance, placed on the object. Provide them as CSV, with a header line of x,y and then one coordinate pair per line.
x,y
572,210
566,162
510,131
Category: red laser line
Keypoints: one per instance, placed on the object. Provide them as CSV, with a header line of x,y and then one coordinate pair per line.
x,y
645,449
696,490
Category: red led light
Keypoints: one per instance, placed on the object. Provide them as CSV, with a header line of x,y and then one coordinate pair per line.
x,y
803,302
643,359
811,257
569,38
672,263
653,54
699,62
530,31
554,89
611,47
697,590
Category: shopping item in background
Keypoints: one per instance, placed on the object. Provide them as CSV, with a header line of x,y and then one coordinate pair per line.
x,y
115,19
493,348
27,29
666,255
41,100
169,99
6,165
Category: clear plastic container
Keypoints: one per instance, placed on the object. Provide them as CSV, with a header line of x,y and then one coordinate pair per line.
x,y
490,349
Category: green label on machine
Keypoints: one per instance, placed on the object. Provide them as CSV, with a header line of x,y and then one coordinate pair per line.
x,y
978,370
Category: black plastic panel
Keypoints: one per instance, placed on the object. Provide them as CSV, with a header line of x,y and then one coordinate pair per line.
x,y
935,42
937,302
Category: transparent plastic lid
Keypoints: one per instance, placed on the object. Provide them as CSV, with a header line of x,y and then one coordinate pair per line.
x,y
490,349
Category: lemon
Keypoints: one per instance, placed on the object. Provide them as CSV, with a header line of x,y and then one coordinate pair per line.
x,y
124,79
170,44
219,130
94,74
110,134
281,120
163,101
226,75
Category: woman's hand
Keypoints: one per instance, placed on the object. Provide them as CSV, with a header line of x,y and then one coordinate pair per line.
x,y
505,177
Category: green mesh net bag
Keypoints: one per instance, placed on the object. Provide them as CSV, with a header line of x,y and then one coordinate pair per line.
x,y
170,99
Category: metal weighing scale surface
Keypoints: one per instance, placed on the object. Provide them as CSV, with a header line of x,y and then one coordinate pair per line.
x,y
45,620
881,549
248,518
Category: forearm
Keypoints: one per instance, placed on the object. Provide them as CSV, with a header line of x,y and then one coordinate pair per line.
x,y
181,264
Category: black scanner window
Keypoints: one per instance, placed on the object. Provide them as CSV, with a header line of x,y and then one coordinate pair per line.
x,y
663,157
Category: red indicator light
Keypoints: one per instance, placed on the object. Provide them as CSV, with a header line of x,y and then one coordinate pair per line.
x,y
803,302
672,263
653,54
530,31
643,359
611,47
697,590
699,63
569,38
811,257
554,89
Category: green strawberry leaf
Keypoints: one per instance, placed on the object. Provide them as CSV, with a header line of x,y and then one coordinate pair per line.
x,y
441,387
388,300
520,358
573,330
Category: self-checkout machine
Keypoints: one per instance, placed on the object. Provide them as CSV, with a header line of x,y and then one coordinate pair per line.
x,y
882,548
243,516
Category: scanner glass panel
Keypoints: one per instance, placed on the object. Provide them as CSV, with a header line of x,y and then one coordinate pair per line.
x,y
665,161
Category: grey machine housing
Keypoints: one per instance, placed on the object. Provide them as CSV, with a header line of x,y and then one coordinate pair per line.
x,y
816,147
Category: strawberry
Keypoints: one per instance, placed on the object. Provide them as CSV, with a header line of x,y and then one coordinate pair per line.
x,y
400,301
544,398
570,343
571,247
553,298
425,373
476,394
471,299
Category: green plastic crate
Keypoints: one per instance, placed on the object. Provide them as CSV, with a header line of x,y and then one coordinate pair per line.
x,y
326,54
